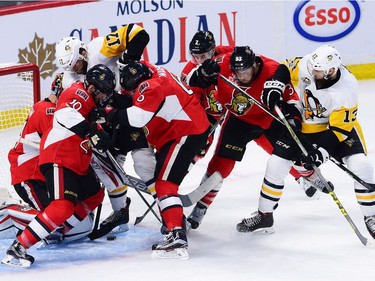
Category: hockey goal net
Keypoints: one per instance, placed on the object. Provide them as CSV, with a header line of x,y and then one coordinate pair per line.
x,y
19,90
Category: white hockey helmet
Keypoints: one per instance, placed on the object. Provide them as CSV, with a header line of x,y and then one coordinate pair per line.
x,y
323,59
68,52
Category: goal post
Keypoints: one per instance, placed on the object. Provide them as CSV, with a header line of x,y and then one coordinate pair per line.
x,y
19,90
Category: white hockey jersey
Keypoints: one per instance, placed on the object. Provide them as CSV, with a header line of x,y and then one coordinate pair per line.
x,y
105,50
334,107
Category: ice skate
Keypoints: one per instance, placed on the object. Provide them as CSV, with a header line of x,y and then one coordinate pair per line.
x,y
315,181
196,216
370,225
16,256
258,222
309,190
174,246
116,223
56,237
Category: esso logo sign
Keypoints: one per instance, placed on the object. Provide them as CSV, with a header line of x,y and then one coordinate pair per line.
x,y
324,21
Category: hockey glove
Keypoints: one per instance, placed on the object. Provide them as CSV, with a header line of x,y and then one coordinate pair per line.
x,y
292,115
271,94
56,86
316,157
209,71
99,139
202,152
102,115
124,60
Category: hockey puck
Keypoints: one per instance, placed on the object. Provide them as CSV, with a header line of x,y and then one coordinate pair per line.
x,y
111,237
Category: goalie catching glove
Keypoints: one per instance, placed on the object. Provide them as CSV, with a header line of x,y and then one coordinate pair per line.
x,y
99,139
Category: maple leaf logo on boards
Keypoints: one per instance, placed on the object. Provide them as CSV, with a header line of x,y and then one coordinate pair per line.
x,y
42,56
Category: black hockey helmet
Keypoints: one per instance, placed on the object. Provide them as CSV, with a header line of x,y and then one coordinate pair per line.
x,y
242,57
102,78
202,42
133,74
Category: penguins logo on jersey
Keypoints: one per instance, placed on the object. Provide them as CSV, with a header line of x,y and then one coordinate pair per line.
x,y
312,106
134,136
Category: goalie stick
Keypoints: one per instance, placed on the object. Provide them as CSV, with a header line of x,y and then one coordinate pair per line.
x,y
282,119
369,186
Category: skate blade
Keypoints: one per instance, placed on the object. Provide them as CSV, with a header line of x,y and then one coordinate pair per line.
x,y
179,253
370,243
120,229
11,261
43,246
260,231
266,230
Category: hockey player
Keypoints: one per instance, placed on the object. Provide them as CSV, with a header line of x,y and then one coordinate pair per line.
x,y
202,47
65,163
177,126
113,50
245,121
329,93
27,178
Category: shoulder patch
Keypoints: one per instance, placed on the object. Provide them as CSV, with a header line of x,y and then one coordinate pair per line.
x,y
50,111
82,94
143,87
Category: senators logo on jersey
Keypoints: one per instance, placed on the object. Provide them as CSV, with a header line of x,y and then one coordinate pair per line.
x,y
240,104
214,107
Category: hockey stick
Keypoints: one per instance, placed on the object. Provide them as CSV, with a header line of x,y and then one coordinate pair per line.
x,y
210,132
187,199
369,186
363,239
140,218
97,217
116,168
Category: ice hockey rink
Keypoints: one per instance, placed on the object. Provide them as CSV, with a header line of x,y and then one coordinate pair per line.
x,y
313,241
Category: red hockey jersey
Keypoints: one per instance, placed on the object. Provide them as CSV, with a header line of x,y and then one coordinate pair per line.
x,y
166,108
23,158
207,96
242,106
60,145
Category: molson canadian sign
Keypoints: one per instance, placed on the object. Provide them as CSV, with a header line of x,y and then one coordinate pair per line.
x,y
324,21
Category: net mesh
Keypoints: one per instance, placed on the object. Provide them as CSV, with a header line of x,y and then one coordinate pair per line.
x,y
17,98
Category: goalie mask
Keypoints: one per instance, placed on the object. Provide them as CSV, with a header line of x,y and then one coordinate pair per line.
x,y
68,52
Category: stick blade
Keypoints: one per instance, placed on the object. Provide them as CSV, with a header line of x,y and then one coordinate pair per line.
x,y
194,196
